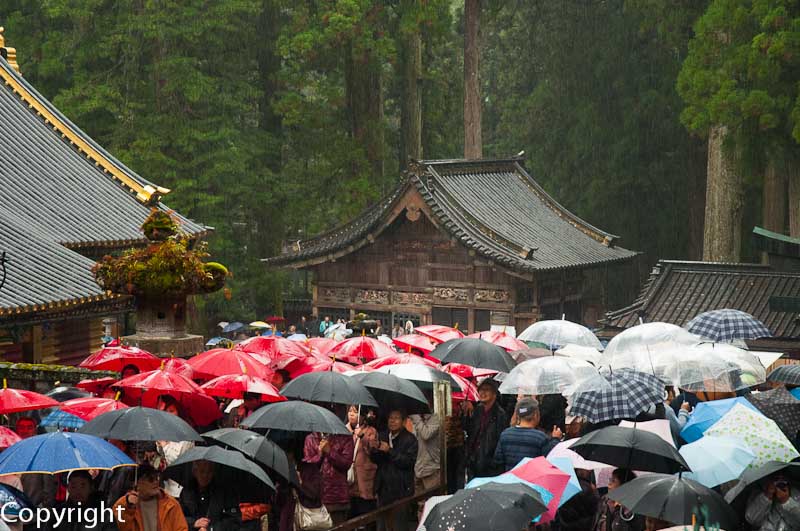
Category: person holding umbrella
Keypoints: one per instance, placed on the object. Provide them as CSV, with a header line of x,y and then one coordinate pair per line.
x,y
395,456
362,488
776,507
204,501
612,516
487,422
149,508
330,457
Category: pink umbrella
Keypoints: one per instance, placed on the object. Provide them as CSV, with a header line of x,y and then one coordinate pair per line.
x,y
8,437
398,359
299,367
501,339
466,371
89,408
439,333
541,472
360,350
415,342
562,449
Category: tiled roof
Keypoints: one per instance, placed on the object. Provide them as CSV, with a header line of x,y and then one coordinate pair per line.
x,y
41,274
678,291
491,206
60,182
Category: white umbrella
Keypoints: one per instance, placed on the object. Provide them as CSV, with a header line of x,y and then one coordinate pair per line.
x,y
634,347
556,334
548,376
589,354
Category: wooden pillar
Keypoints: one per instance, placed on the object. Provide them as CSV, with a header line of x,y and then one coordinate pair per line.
x,y
32,350
470,321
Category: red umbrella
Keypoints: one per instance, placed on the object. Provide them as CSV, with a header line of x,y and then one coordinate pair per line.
x,y
275,319
396,359
467,371
319,346
501,339
179,366
116,358
236,385
360,349
89,408
468,389
276,350
96,386
8,437
299,367
415,342
439,333
145,388
17,400
222,361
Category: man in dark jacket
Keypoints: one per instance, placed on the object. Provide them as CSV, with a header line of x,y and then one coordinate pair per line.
x,y
206,503
395,456
484,427
82,496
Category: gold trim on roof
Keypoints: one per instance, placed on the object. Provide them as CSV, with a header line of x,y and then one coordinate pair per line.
x,y
9,53
144,193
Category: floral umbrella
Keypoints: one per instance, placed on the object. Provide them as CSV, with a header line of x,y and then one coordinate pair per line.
x,y
761,434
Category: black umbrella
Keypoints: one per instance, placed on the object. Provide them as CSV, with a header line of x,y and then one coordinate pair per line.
x,y
503,506
392,392
754,475
676,500
475,353
781,406
328,387
221,456
422,375
140,424
788,374
295,416
256,447
630,448
62,394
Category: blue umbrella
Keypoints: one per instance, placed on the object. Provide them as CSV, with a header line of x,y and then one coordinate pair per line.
x,y
795,392
232,327
215,341
60,451
706,414
715,460
62,419
511,478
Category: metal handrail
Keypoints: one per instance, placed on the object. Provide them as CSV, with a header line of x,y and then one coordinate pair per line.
x,y
387,511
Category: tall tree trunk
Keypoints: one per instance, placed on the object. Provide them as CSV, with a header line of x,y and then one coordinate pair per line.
x,y
473,143
793,203
696,197
411,115
774,195
365,105
722,237
269,64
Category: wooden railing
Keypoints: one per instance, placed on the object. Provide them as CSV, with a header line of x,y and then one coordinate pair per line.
x,y
387,513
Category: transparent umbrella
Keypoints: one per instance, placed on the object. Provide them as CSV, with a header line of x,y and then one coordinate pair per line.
x,y
634,347
741,369
590,354
556,334
551,375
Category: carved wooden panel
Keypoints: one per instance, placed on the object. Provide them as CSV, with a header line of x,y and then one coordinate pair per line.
x,y
408,298
451,294
372,296
334,294
492,295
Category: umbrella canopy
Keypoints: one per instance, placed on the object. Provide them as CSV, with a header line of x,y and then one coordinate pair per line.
x,y
557,333
236,385
117,358
90,408
630,448
62,393
588,354
629,394
320,345
439,333
274,350
727,325
781,406
221,456
399,359
761,434
233,327
18,400
755,474
222,361
295,415
422,375
96,386
298,337
490,506
140,424
360,350
180,366
392,392
8,437
530,353
329,388
787,374
256,447
61,451
260,324
542,472
644,340
706,414
466,371
563,450
675,499
337,332
505,341
62,420
740,368
145,388
509,478
547,376
13,500
219,342
476,353
272,319
410,342
716,460
468,390
299,367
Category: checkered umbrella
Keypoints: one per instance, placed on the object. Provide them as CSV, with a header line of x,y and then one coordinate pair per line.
x,y
788,374
627,394
727,325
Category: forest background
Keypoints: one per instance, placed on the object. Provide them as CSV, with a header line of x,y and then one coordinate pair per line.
x,y
273,120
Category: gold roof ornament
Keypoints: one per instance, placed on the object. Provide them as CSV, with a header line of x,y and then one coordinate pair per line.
x,y
9,54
